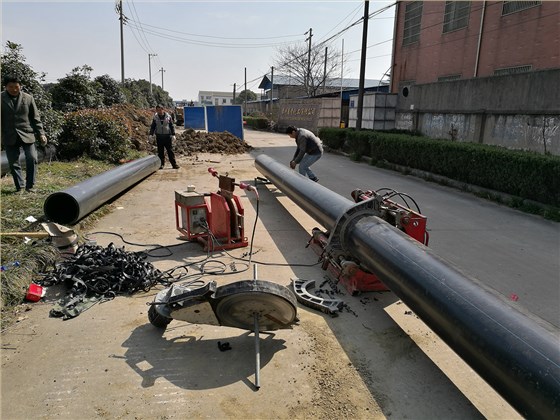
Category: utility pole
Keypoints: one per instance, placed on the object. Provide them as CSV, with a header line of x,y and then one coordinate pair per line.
x,y
271,88
308,78
162,70
325,72
362,67
121,18
233,102
245,107
150,69
341,80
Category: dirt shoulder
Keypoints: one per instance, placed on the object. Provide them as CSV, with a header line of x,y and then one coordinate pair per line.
x,y
110,362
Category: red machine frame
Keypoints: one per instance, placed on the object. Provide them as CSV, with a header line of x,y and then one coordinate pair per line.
x,y
216,220
347,271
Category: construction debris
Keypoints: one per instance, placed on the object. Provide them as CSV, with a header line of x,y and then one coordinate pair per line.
x,y
95,273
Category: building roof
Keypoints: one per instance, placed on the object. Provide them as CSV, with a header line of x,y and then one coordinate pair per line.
x,y
215,93
283,80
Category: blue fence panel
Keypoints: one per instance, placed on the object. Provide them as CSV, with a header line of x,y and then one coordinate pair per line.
x,y
225,118
194,117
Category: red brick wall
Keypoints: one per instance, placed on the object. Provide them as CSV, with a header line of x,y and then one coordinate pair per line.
x,y
529,37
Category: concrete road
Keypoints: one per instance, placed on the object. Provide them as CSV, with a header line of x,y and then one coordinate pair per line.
x,y
376,361
515,253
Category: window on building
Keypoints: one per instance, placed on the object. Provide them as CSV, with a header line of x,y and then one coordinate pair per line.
x,y
516,6
512,70
449,78
456,15
224,101
412,22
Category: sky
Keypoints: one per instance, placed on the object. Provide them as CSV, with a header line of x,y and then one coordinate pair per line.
x,y
200,45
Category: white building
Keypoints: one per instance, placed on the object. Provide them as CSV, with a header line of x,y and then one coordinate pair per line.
x,y
210,97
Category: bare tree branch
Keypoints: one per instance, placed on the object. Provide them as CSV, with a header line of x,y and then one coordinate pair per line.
x,y
292,60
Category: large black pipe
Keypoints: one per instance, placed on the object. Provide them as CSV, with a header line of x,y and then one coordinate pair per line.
x,y
517,353
72,204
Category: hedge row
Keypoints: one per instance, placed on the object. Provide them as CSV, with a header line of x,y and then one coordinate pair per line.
x,y
256,122
524,174
95,133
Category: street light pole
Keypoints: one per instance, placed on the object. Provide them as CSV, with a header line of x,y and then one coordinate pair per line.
x,y
150,69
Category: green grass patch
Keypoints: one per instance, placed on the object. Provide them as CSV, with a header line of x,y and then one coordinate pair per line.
x,y
25,261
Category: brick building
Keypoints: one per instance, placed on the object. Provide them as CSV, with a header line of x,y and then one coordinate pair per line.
x,y
452,40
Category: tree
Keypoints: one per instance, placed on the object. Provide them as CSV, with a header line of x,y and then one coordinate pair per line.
x,y
240,98
293,60
138,93
110,90
134,94
13,64
162,97
76,91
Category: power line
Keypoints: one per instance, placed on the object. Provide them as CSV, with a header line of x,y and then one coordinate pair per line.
x,y
218,37
209,43
355,12
148,48
338,34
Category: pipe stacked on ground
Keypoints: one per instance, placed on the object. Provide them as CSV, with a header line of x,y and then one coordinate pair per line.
x,y
74,203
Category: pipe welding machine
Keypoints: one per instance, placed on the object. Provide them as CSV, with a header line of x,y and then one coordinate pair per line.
x,y
216,220
346,269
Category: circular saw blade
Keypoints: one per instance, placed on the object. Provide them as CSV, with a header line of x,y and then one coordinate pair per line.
x,y
237,303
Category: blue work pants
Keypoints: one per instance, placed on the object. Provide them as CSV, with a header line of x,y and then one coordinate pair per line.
x,y
305,165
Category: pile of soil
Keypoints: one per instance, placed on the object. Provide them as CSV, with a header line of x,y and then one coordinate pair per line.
x,y
139,121
189,142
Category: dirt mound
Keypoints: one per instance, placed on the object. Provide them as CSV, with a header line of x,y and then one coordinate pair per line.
x,y
191,142
188,142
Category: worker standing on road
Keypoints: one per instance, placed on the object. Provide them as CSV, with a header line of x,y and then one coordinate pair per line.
x,y
162,126
309,150
21,127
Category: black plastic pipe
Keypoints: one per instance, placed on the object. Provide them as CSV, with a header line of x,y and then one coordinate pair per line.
x,y
74,203
517,353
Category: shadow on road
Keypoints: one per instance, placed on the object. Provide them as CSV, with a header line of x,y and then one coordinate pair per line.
x,y
196,362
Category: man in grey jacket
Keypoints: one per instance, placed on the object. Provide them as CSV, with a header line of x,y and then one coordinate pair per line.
x,y
164,129
21,127
309,150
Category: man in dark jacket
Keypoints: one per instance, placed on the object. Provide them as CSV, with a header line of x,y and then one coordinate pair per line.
x,y
21,127
164,129
309,150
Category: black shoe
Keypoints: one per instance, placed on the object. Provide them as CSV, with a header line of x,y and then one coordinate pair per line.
x,y
31,190
315,179
161,167
176,166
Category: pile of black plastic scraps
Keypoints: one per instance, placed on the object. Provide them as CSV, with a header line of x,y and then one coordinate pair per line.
x,y
95,273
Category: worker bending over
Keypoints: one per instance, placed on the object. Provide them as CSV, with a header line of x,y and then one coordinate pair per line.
x,y
309,150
